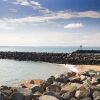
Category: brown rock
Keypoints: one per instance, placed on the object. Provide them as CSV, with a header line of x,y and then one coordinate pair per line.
x,y
36,81
82,92
69,88
53,87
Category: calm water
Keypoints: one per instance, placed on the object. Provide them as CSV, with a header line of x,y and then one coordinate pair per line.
x,y
12,71
45,49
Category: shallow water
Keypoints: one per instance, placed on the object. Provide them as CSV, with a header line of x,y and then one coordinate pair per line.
x,y
12,71
54,49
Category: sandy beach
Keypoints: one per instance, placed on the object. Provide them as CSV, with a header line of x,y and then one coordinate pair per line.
x,y
81,68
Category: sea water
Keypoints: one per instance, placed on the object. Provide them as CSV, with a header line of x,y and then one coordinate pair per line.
x,y
12,71
54,49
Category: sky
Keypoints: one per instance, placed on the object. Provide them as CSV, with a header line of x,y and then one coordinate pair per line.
x,y
49,22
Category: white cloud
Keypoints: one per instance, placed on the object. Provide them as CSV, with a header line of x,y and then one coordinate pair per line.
x,y
54,16
23,2
73,26
35,3
89,14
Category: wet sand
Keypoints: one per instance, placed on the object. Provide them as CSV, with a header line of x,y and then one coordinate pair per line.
x,y
81,68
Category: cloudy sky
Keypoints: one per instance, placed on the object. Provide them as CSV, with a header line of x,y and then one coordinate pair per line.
x,y
49,22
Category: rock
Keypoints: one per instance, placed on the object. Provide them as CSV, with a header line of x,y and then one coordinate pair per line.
x,y
69,88
98,79
37,94
17,96
27,84
35,88
28,97
70,74
67,96
75,79
82,77
44,85
86,99
24,91
3,96
5,88
96,94
94,81
95,88
36,81
47,97
7,92
82,92
92,73
53,87
97,98
57,95
51,80
86,74
73,99
62,79
98,73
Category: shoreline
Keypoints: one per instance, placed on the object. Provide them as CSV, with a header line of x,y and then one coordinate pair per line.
x,y
67,86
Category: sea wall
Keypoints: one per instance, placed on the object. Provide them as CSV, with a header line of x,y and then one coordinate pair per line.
x,y
77,57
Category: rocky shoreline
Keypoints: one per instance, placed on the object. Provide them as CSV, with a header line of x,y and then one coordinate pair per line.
x,y
86,57
67,86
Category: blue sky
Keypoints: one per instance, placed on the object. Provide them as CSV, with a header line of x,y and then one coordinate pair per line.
x,y
49,22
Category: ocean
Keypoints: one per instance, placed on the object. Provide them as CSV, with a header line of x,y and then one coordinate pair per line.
x,y
14,72
51,49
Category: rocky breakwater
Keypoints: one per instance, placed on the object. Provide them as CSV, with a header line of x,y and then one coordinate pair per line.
x,y
35,56
67,86
86,57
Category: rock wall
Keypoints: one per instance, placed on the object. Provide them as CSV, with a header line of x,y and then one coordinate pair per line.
x,y
61,58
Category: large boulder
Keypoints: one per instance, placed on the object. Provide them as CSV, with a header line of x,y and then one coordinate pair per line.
x,y
36,81
51,80
17,96
82,77
70,88
69,74
3,96
75,79
48,97
35,88
53,87
7,92
83,92
96,95
24,91
51,93
86,99
63,79
67,96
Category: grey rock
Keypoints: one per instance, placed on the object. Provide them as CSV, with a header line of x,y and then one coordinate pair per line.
x,y
17,96
3,96
67,96
57,95
96,94
48,97
53,87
